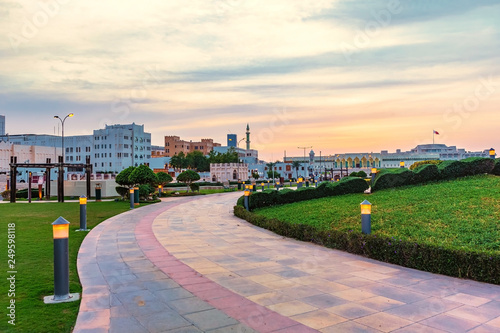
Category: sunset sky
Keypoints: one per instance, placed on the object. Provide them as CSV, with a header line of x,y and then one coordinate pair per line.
x,y
338,75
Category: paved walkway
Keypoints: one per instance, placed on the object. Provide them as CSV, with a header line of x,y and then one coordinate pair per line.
x,y
189,265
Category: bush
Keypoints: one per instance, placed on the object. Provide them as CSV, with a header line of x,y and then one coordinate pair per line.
x,y
24,193
195,187
452,169
388,178
478,165
5,194
496,169
122,191
417,164
273,197
425,173
145,191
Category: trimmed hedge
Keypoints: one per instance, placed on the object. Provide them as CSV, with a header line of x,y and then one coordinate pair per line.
x,y
425,173
199,183
24,193
476,266
272,197
496,169
389,178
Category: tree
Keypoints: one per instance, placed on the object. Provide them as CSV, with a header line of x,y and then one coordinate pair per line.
x,y
255,175
143,175
123,177
178,161
296,166
273,174
196,160
230,156
188,177
163,178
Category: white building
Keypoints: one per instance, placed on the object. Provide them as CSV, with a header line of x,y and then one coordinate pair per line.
x,y
225,172
117,147
111,149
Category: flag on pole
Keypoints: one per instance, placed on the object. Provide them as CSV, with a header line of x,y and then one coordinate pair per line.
x,y
436,132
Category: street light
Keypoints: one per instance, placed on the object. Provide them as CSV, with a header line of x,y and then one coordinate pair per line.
x,y
62,131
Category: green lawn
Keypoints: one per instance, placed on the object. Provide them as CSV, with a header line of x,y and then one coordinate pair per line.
x,y
463,213
34,261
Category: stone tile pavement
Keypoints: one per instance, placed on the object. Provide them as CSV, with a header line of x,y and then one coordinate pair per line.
x,y
189,265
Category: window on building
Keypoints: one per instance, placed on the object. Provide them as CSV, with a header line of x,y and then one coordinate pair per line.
x,y
125,146
102,164
95,165
110,164
67,150
125,137
125,154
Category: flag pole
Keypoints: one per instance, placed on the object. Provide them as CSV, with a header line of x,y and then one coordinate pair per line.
x,y
433,132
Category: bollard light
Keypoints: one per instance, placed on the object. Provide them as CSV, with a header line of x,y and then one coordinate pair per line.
x,y
366,211
374,174
277,186
83,213
247,200
262,184
316,183
136,196
131,195
268,184
160,188
60,229
492,153
402,164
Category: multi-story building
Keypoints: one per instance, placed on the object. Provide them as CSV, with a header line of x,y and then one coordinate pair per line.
x,y
111,149
2,125
174,145
116,147
26,154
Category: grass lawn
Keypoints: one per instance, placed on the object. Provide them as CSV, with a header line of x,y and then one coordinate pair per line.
x,y
34,261
461,214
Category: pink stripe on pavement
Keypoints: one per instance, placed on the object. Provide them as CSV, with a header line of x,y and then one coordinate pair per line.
x,y
236,306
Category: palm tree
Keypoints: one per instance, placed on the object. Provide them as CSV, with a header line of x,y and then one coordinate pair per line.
x,y
296,165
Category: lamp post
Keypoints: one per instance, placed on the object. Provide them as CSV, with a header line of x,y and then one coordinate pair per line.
x,y
62,131
366,217
492,153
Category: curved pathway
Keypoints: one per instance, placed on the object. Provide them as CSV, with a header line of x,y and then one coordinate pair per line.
x,y
189,265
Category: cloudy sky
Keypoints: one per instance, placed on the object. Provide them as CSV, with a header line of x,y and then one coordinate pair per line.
x,y
338,75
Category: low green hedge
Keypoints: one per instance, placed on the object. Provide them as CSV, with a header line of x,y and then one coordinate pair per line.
x,y
389,178
496,169
24,193
199,183
273,197
476,266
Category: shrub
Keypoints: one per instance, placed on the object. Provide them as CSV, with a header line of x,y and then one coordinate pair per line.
x,y
5,194
273,197
145,191
122,191
478,165
496,169
452,169
388,178
24,193
195,187
419,163
425,173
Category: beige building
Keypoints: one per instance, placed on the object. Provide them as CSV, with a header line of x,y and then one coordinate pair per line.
x,y
174,145
24,153
225,172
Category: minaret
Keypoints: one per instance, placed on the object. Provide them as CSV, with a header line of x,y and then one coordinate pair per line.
x,y
248,137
